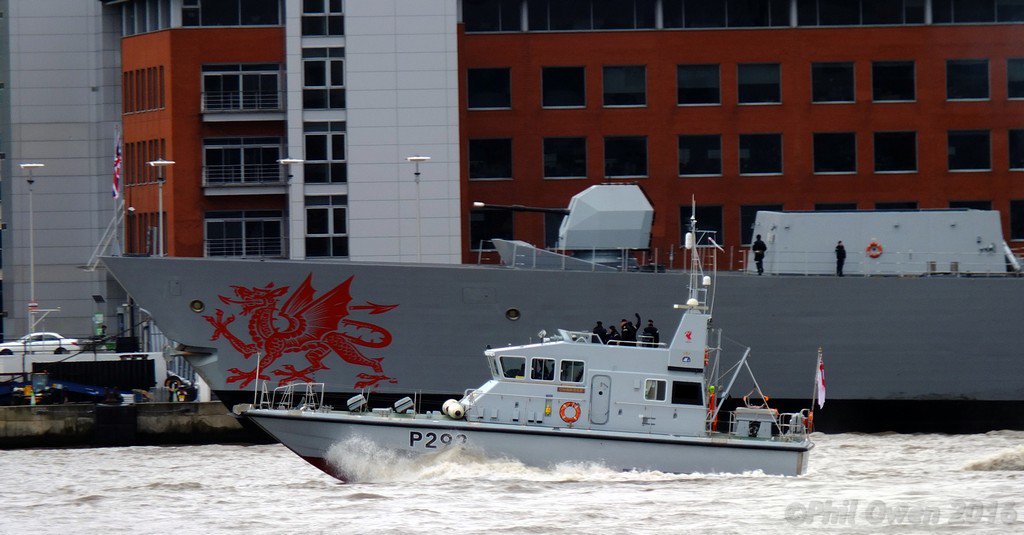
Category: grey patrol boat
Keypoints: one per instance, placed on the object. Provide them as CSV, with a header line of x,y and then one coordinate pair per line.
x,y
642,405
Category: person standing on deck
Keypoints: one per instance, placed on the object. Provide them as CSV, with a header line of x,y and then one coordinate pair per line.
x,y
840,258
759,249
651,335
601,333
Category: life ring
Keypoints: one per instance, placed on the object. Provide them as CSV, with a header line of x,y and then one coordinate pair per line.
x,y
576,412
172,383
874,249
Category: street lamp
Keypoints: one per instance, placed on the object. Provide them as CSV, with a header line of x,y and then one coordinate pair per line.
x,y
416,160
160,164
32,304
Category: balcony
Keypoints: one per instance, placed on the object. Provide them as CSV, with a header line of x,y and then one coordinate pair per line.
x,y
244,179
233,106
268,247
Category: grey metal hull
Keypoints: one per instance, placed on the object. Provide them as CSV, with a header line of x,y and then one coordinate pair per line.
x,y
312,435
888,341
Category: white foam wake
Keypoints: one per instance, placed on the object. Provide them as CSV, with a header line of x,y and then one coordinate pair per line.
x,y
1011,460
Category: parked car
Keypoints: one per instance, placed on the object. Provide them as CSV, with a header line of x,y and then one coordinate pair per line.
x,y
40,343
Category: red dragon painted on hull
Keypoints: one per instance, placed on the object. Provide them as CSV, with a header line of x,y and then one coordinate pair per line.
x,y
303,324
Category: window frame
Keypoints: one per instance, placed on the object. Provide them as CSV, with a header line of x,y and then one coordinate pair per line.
x,y
604,86
781,152
949,155
572,363
510,164
242,218
853,81
679,159
814,150
543,370
893,63
626,139
660,391
544,89
544,157
739,84
332,206
479,71
951,63
874,153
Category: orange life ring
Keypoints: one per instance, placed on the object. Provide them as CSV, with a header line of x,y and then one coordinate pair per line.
x,y
576,412
874,249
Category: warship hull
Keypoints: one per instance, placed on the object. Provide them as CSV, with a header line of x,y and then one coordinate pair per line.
x,y
910,354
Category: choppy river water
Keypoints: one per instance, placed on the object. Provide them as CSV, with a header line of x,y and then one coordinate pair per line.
x,y
856,484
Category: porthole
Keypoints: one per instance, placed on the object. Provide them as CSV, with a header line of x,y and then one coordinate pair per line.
x,y
197,306
512,314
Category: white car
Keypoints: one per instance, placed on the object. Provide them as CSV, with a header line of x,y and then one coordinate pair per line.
x,y
40,343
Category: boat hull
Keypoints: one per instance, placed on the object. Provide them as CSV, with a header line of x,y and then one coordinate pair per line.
x,y
313,435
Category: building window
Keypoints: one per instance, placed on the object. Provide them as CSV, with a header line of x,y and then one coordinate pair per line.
x,y
759,83
892,81
490,159
1015,78
967,79
327,226
492,15
966,11
625,156
853,12
323,78
1017,220
564,87
832,82
241,87
694,13
247,160
244,233
1016,150
835,152
625,86
709,223
231,12
323,17
565,157
325,160
698,84
971,205
552,224
560,15
760,154
895,152
969,150
896,205
700,155
748,216
835,206
486,225
488,89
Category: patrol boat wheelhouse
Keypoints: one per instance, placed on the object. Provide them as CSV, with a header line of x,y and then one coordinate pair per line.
x,y
570,398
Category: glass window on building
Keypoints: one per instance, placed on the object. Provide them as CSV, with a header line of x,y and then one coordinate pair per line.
x,y
896,205
492,15
967,79
565,157
757,13
835,152
242,87
327,226
1015,78
759,83
625,156
1009,11
1016,149
323,78
963,11
552,224
490,159
709,222
1017,219
231,12
564,87
854,12
247,160
623,14
323,17
892,81
748,216
252,233
835,206
325,158
895,152
969,150
625,85
488,89
760,154
971,205
700,155
832,82
698,84
485,225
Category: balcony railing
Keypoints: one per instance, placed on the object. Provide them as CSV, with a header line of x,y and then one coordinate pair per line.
x,y
243,174
242,101
245,247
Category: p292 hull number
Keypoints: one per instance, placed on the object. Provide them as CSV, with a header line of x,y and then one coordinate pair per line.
x,y
434,440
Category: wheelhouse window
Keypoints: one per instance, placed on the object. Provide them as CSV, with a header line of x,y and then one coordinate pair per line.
x,y
892,81
625,85
700,155
323,17
698,85
236,161
967,79
748,216
832,82
571,371
231,12
895,152
323,78
564,87
542,369
1015,78
684,393
969,150
835,152
241,87
327,226
485,225
513,367
760,154
325,153
759,83
625,156
565,157
251,233
654,389
488,89
492,15
1016,143
490,159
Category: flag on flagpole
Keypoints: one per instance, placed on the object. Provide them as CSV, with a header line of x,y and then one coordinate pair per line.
x,y
117,165
819,381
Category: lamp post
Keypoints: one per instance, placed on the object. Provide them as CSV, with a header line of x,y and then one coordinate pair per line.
x,y
32,304
416,160
160,164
